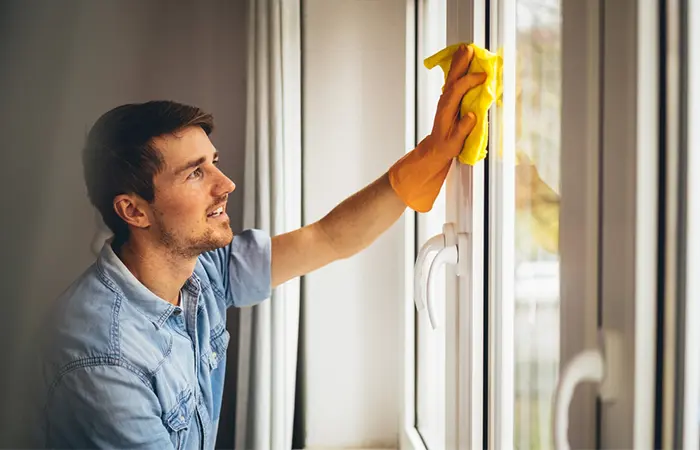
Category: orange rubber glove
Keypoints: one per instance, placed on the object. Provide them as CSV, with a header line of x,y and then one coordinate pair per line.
x,y
418,177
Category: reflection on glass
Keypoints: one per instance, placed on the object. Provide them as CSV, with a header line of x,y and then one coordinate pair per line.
x,y
538,49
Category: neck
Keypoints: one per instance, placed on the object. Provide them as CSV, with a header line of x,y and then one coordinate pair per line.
x,y
157,268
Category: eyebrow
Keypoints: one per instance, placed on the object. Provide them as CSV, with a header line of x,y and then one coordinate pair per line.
x,y
195,163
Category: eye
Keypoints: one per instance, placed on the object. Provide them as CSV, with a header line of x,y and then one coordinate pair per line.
x,y
197,173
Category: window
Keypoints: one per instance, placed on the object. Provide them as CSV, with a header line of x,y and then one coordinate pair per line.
x,y
563,235
570,247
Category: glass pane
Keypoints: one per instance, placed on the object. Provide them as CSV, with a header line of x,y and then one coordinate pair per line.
x,y
536,288
430,344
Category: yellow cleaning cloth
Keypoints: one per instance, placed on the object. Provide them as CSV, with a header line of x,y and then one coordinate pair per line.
x,y
477,100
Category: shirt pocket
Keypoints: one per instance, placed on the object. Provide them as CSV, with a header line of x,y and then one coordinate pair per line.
x,y
179,418
217,349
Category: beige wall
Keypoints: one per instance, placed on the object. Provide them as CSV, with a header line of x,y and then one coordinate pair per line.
x,y
354,63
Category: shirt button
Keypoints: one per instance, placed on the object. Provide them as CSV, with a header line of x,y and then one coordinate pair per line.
x,y
182,418
177,311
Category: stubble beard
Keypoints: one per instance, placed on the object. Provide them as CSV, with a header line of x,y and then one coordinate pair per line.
x,y
192,247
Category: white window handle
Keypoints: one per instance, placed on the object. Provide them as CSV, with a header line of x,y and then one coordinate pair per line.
x,y
597,365
434,244
451,247
447,255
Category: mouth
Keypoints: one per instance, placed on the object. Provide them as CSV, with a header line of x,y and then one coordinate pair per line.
x,y
217,213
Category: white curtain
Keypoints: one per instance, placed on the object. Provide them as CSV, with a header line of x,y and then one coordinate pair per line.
x,y
268,333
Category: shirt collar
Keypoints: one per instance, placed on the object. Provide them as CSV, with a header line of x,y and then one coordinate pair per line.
x,y
153,307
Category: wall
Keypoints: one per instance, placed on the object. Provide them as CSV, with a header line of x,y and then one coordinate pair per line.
x,y
354,113
64,63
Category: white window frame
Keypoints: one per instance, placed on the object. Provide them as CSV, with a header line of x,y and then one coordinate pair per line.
x,y
409,438
502,134
681,358
466,22
464,319
579,218
621,155
630,102
419,228
624,293
629,240
691,431
691,388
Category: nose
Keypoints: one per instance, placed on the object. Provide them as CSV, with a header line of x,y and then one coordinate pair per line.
x,y
224,185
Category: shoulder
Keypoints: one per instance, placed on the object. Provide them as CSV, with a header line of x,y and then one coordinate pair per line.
x,y
80,321
92,324
251,244
241,270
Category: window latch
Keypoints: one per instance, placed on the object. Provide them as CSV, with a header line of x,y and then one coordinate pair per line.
x,y
449,247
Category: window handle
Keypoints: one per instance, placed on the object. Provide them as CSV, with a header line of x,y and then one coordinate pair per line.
x,y
451,248
447,255
600,366
434,244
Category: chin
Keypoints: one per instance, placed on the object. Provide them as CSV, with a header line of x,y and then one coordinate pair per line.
x,y
213,239
226,238
218,239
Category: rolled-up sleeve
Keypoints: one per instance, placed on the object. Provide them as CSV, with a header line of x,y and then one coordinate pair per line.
x,y
242,269
104,407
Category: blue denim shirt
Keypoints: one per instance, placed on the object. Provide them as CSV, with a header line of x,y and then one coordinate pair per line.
x,y
125,369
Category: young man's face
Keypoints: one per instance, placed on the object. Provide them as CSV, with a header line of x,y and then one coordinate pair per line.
x,y
189,209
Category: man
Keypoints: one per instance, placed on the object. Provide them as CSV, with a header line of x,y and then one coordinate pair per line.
x,y
137,344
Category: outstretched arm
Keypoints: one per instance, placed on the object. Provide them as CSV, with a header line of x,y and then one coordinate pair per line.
x,y
415,179
349,228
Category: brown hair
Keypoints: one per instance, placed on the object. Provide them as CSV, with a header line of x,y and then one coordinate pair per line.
x,y
119,156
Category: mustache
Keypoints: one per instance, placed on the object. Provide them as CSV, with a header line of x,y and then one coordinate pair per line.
x,y
221,200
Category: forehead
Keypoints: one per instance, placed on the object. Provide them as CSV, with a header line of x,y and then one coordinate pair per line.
x,y
184,146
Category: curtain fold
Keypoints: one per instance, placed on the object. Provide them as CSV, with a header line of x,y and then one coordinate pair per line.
x,y
268,333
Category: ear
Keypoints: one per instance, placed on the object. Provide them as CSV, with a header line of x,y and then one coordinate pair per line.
x,y
133,210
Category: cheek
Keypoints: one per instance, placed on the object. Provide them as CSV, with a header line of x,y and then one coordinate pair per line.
x,y
183,208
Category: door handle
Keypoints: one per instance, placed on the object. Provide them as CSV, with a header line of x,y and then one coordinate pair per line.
x,y
601,366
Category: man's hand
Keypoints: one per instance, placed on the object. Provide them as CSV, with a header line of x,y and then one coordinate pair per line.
x,y
418,177
449,131
415,180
